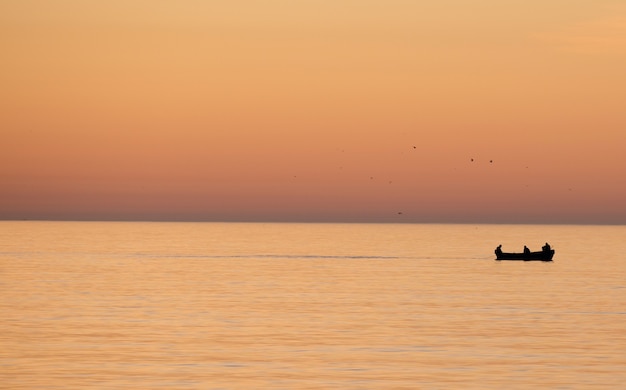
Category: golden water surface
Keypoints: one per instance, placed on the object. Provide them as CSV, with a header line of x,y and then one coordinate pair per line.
x,y
309,306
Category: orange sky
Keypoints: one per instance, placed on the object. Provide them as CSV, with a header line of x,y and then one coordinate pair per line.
x,y
314,110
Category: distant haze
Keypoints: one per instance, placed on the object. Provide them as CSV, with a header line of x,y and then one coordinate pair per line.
x,y
394,111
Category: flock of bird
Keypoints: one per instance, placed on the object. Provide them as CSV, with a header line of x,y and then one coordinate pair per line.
x,y
472,160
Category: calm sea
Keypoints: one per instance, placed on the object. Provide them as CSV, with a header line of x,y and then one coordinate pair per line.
x,y
309,306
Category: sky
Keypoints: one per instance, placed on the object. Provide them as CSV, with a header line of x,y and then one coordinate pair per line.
x,y
469,111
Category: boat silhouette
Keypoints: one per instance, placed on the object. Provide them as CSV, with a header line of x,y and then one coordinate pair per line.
x,y
545,254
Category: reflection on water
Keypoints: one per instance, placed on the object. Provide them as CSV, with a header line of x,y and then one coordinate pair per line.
x,y
146,305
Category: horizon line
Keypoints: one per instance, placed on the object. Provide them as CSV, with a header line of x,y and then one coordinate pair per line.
x,y
305,221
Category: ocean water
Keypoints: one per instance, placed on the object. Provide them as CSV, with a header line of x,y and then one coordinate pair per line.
x,y
117,305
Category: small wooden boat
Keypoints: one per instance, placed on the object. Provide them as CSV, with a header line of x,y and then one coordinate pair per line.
x,y
545,255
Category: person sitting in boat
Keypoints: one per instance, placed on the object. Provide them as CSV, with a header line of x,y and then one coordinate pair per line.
x,y
546,248
499,250
526,250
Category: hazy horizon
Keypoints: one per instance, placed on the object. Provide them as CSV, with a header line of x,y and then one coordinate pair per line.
x,y
318,221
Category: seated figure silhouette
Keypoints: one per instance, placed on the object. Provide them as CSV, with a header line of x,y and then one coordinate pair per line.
x,y
546,248
526,250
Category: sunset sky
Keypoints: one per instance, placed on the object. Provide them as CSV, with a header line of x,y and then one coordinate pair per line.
x,y
314,110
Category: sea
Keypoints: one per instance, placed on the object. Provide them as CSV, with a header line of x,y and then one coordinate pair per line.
x,y
150,305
